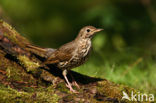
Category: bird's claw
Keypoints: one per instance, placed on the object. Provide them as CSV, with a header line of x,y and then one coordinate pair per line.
x,y
74,83
71,89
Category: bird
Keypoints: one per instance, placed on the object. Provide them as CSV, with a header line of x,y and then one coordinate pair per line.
x,y
72,54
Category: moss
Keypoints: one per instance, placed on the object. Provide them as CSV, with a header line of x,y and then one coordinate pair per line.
x,y
62,88
9,95
11,37
30,65
8,72
109,89
12,34
6,24
70,98
47,95
13,74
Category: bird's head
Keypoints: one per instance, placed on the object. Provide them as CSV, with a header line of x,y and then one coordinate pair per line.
x,y
88,32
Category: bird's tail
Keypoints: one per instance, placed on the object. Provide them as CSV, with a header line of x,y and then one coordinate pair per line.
x,y
32,47
43,52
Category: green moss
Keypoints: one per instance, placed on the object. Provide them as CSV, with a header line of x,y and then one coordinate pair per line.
x,y
6,25
109,89
63,88
9,95
8,72
12,34
112,90
11,37
70,98
13,74
30,65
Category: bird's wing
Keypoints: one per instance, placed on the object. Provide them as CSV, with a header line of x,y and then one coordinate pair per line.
x,y
64,53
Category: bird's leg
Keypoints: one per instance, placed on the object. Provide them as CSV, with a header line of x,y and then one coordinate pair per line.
x,y
68,83
73,81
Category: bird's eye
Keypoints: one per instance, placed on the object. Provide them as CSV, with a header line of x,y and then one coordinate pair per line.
x,y
88,30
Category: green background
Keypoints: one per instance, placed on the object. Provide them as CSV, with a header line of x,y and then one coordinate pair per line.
x,y
125,52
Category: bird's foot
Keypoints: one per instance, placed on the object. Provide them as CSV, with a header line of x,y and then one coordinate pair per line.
x,y
71,89
74,83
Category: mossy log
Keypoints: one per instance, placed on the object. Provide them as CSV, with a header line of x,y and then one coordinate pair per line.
x,y
22,79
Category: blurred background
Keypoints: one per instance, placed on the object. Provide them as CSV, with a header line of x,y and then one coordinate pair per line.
x,y
125,52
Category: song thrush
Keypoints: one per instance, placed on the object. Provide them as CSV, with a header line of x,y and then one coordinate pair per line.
x,y
74,53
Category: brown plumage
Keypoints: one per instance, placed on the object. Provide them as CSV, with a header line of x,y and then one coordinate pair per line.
x,y
74,53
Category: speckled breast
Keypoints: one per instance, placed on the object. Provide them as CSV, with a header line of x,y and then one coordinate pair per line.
x,y
79,56
75,62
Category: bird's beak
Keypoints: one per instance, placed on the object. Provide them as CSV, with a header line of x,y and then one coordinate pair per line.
x,y
98,30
